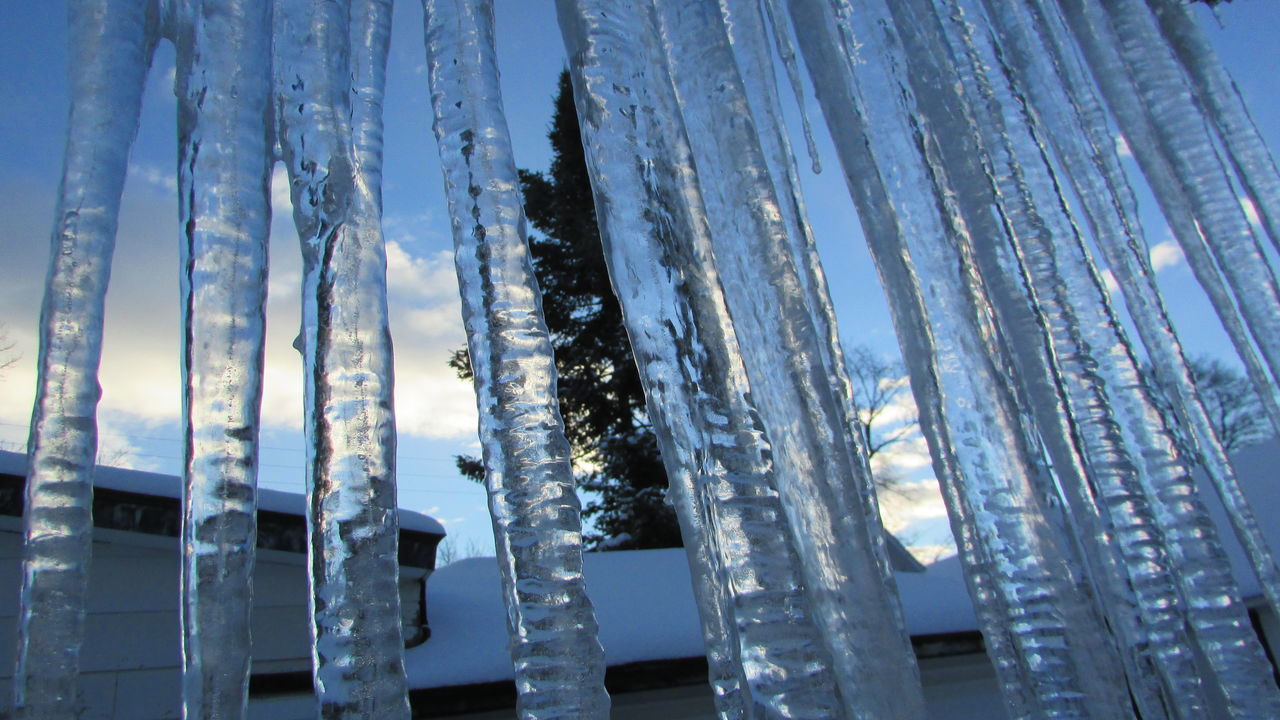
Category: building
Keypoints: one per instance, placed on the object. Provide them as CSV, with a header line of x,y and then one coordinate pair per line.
x,y
458,666
131,659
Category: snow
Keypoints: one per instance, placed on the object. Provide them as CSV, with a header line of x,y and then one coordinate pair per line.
x,y
170,486
644,601
644,604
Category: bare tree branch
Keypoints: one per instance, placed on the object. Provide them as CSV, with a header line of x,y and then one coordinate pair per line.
x,y
882,399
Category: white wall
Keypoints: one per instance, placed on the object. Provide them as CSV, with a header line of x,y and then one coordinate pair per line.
x,y
131,657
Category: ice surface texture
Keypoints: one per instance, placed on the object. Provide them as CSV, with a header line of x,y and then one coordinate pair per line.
x,y
537,523
111,43
976,138
328,97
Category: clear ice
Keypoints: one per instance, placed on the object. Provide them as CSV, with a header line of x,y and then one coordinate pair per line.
x,y
976,138
224,161
537,524
328,101
111,47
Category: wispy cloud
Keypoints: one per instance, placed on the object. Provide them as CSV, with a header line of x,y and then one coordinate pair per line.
x,y
154,178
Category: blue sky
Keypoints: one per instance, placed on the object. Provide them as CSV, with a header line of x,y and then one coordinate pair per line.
x,y
139,415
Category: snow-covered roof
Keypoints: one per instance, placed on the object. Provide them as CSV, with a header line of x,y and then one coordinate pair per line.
x,y
644,604
644,600
170,486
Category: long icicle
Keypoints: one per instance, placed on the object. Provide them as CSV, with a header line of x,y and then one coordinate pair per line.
x,y
1071,296
983,179
1116,530
829,55
1095,42
1259,176
1217,93
1171,119
358,651
111,46
1143,444
1220,626
598,37
1075,128
224,161
745,23
537,525
1049,663
825,483
722,481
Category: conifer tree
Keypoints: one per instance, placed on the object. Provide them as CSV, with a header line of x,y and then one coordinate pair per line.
x,y
615,451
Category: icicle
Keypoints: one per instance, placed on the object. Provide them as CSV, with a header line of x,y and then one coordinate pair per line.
x,y
111,47
1258,174
358,649
746,26
748,37
1162,179
224,169
837,528
1132,66
967,411
1215,91
559,663
722,481
1121,535
1123,528
787,53
1084,143
1221,629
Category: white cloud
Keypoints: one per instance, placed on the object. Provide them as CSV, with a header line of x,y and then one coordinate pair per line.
x,y
1166,255
1122,147
281,201
1250,210
1109,280
154,178
909,503
426,322
903,457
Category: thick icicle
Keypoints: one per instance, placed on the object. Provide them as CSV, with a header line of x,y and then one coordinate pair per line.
x,y
1216,91
599,41
1257,171
1220,626
825,482
1058,656
754,611
111,45
559,663
745,25
224,160
358,651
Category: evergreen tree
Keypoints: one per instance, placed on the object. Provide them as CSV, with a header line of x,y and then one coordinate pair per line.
x,y
601,399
